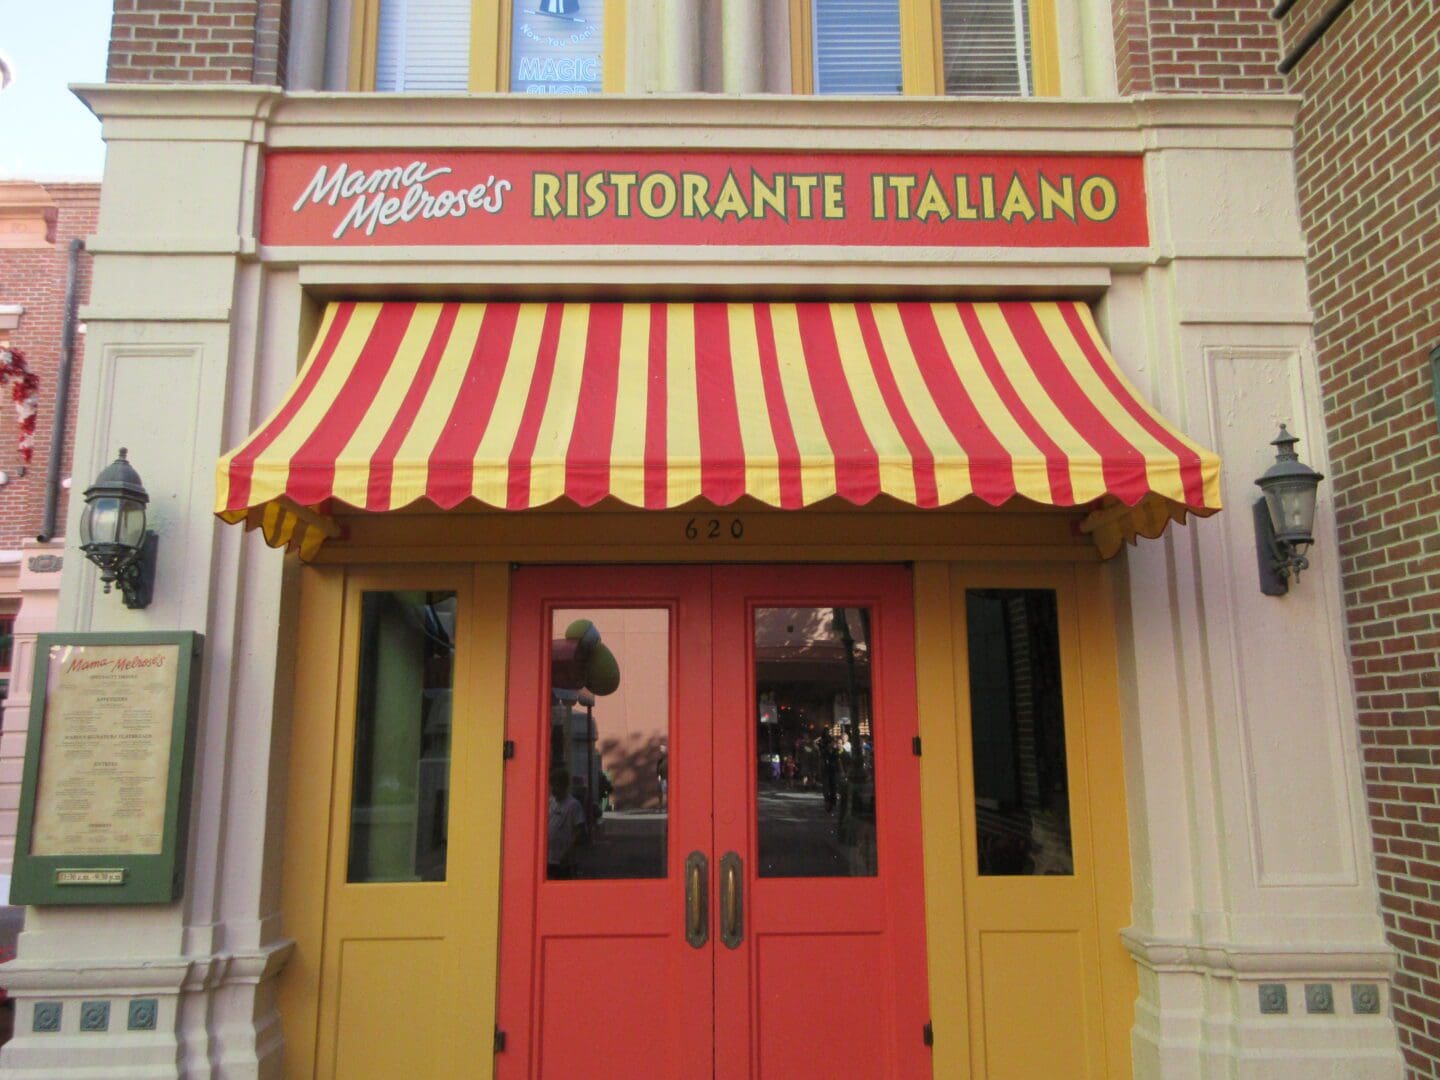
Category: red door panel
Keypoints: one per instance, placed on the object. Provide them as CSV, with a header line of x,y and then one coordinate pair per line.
x,y
830,977
827,976
597,979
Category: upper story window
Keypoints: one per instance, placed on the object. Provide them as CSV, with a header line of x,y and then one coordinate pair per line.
x,y
525,46
956,47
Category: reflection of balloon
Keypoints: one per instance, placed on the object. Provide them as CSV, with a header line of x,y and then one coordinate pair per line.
x,y
602,674
585,632
579,660
567,667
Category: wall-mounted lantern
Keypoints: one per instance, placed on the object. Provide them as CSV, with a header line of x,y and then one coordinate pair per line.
x,y
113,534
1285,517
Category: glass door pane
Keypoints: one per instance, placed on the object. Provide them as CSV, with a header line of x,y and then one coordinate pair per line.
x,y
814,742
608,801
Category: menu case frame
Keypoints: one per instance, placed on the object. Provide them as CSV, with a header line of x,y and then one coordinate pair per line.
x,y
123,877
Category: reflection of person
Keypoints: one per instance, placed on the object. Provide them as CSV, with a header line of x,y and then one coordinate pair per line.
x,y
607,792
565,823
829,770
662,776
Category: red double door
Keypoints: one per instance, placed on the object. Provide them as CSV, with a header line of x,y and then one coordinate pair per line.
x,y
712,853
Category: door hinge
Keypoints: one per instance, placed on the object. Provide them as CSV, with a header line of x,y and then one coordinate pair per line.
x,y
499,1041
915,745
929,1034
509,749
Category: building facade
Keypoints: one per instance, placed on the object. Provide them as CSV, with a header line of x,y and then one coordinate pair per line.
x,y
1365,134
39,222
798,495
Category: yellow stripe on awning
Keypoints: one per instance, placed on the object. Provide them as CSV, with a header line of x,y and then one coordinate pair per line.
x,y
518,404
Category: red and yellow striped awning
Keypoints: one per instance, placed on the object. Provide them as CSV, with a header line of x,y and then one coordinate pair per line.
x,y
518,404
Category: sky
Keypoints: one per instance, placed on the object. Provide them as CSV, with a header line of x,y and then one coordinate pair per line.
x,y
46,133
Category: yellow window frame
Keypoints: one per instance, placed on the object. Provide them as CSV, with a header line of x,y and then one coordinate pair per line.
x,y
921,58
489,46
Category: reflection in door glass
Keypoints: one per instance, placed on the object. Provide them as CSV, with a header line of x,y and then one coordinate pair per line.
x,y
815,743
609,772
399,817
1022,790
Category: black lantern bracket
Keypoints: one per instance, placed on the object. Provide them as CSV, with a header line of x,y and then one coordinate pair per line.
x,y
1284,517
137,579
113,535
1277,559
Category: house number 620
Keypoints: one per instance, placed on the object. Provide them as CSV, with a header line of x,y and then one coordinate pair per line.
x,y
714,529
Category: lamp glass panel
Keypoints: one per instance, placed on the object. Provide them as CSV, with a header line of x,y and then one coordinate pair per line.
x,y
132,523
1292,509
101,521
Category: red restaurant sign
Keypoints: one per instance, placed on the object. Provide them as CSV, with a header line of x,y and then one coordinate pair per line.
x,y
472,197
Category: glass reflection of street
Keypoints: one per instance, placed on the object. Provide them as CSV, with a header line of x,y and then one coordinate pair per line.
x,y
815,756
797,824
609,769
623,844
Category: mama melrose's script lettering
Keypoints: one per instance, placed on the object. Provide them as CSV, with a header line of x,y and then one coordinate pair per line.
x,y
383,197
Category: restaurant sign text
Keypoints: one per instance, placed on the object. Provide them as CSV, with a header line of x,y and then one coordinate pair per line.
x,y
473,197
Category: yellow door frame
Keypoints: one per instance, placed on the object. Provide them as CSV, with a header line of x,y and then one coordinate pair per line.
x,y
948,550
321,910
956,916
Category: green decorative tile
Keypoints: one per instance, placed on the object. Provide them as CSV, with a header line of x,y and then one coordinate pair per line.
x,y
143,1012
1365,998
94,1015
1273,998
47,1016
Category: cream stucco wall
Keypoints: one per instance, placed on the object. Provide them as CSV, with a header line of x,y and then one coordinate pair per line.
x,y
1247,832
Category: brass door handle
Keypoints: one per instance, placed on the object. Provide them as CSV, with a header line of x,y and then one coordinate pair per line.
x,y
732,901
697,899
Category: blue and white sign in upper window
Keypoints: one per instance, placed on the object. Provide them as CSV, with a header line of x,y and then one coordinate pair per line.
x,y
555,46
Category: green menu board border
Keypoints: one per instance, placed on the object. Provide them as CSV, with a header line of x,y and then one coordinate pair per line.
x,y
127,879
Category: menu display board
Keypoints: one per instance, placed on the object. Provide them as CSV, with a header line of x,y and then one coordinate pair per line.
x,y
105,754
107,768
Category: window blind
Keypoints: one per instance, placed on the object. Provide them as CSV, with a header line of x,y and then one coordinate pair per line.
x,y
423,45
985,46
856,46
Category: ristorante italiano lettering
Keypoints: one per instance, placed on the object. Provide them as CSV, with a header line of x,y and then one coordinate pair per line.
x,y
807,196
517,198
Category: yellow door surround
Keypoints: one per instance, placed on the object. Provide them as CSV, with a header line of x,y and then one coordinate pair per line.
x,y
424,955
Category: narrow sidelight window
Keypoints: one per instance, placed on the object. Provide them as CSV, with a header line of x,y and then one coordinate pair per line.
x,y
1017,722
400,795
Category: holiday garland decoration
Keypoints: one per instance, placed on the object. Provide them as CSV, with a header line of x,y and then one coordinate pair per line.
x,y
25,392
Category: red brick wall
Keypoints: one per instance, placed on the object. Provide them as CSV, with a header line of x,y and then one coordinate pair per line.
x,y
35,277
1196,46
198,41
1368,141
